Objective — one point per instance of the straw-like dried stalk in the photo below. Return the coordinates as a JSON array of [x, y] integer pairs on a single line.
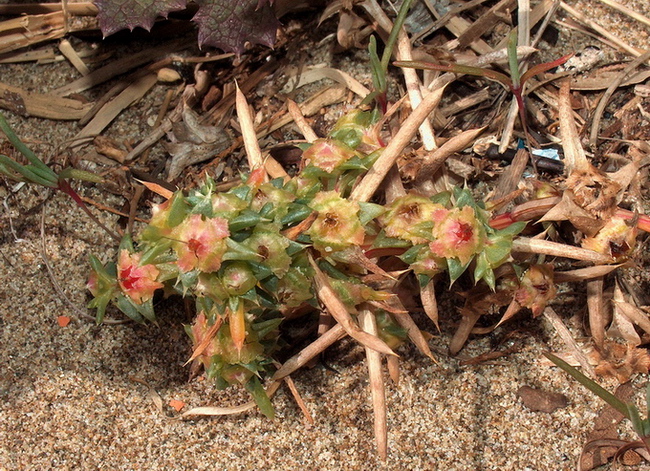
[[369, 325], [374, 177]]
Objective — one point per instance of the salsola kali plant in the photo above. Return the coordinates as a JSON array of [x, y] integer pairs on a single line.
[[249, 256]]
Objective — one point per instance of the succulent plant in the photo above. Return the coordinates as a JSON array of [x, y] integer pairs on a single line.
[[243, 254]]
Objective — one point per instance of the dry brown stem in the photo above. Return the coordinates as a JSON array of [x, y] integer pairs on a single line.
[[310, 351], [597, 316], [374, 177], [337, 309], [369, 325]]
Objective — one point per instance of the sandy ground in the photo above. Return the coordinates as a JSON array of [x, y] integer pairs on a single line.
[[80, 397]]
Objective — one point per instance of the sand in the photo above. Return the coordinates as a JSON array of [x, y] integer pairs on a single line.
[[82, 397]]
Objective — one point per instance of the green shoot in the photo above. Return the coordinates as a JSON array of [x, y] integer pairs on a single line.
[[380, 68], [515, 83], [629, 411], [38, 173]]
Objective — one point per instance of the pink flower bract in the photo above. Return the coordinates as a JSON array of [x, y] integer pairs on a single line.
[[328, 155], [457, 234], [137, 281], [337, 225], [201, 243]]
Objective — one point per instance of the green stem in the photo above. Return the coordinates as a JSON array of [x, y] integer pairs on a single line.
[[394, 33]]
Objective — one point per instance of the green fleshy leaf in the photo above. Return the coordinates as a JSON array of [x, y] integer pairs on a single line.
[[255, 388], [498, 251], [157, 253], [266, 327], [146, 309], [294, 248], [126, 244], [101, 303], [178, 210], [125, 305], [482, 266], [246, 219], [455, 268], [382, 241], [369, 211], [490, 279], [411, 254], [260, 270], [242, 192], [350, 137], [238, 251], [424, 280], [512, 230], [378, 71], [297, 213]]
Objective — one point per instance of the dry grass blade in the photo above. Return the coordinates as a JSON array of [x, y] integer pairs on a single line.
[[513, 308], [28, 30], [570, 343], [369, 324], [597, 316], [429, 303], [582, 274], [310, 351], [435, 159], [109, 112], [574, 155], [463, 331], [273, 168], [546, 247], [337, 309], [314, 74], [404, 53], [630, 311], [404, 319], [71, 54], [325, 97], [156, 188], [374, 177], [485, 23], [120, 67], [21, 8], [248, 132], [217, 411], [301, 122], [598, 112], [152, 394], [599, 29], [509, 179], [41, 105], [298, 398], [393, 369], [209, 336], [627, 11]]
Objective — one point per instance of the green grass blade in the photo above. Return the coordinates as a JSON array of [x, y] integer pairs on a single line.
[[541, 68], [599, 391], [19, 145], [513, 62], [392, 39], [458, 69], [27, 173]]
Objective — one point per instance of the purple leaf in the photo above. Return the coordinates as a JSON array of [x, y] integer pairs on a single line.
[[115, 15], [228, 24]]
